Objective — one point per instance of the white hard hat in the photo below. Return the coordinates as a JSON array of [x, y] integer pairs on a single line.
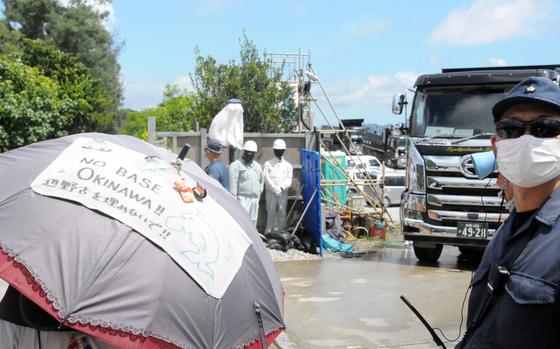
[[279, 144], [250, 146]]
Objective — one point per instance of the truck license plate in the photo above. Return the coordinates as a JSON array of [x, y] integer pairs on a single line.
[[474, 230]]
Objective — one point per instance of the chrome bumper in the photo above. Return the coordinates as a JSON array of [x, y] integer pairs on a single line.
[[413, 204], [426, 229]]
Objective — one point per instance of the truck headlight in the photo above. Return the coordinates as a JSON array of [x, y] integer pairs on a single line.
[[415, 171], [413, 206]]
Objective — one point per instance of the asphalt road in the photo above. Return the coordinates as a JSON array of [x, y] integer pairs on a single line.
[[354, 303]]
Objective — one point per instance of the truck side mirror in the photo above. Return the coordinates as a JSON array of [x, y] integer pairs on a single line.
[[399, 100]]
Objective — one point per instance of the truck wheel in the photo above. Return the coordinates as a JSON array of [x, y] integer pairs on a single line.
[[426, 254]]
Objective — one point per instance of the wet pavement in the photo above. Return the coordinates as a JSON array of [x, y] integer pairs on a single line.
[[354, 303]]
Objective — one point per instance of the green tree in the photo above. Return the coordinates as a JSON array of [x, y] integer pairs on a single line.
[[77, 29], [30, 16], [174, 113], [45, 93], [136, 124], [9, 39], [84, 96], [267, 100], [29, 107]]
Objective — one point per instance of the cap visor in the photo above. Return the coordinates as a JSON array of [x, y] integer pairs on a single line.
[[503, 105]]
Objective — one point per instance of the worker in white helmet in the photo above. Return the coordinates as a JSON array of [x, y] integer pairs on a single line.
[[246, 180], [278, 175]]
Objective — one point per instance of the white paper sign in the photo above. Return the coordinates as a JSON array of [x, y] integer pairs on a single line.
[[201, 236]]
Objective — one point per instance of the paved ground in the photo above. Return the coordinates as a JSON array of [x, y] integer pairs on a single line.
[[354, 303]]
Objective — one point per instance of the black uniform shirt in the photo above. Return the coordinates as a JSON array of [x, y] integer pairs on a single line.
[[527, 313]]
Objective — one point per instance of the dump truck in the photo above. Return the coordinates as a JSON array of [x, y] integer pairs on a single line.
[[444, 202], [389, 146]]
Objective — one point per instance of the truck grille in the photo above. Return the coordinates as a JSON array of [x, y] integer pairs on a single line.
[[454, 193]]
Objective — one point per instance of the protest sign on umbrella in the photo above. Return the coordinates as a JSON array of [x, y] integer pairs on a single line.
[[109, 238]]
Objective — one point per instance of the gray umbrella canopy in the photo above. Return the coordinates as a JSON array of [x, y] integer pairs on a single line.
[[96, 274]]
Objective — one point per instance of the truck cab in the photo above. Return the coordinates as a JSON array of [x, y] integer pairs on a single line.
[[444, 202]]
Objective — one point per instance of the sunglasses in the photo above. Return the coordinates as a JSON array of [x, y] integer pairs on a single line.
[[540, 128]]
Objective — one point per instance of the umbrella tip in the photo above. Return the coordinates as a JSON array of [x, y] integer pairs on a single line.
[[184, 151], [179, 161]]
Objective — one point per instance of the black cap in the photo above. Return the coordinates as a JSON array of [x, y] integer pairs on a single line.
[[532, 89]]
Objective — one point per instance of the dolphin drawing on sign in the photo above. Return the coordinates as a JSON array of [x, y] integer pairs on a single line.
[[98, 144], [155, 164], [201, 246]]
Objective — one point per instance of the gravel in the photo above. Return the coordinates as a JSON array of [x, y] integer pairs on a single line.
[[291, 255]]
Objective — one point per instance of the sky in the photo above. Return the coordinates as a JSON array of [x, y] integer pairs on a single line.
[[362, 51]]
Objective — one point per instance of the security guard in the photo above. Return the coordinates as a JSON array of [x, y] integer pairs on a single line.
[[216, 168], [246, 180], [278, 179], [514, 297]]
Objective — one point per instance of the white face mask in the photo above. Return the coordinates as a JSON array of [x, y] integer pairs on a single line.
[[529, 161]]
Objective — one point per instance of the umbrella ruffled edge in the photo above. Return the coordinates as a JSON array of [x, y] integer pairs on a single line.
[[256, 343], [15, 272]]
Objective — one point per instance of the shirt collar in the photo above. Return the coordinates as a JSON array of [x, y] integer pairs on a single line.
[[550, 210]]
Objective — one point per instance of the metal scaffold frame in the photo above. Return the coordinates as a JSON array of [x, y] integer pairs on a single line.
[[293, 66]]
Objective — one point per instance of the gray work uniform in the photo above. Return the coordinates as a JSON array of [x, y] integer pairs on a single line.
[[246, 184], [527, 313]]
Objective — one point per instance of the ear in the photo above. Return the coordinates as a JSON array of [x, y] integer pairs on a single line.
[[493, 141]]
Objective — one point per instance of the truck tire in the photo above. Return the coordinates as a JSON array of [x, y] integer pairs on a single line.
[[426, 254]]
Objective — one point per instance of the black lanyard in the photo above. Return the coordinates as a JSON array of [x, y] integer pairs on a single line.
[[498, 274]]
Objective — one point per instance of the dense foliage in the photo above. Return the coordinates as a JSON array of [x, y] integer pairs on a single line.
[[59, 74], [45, 93], [73, 27], [267, 100], [174, 113]]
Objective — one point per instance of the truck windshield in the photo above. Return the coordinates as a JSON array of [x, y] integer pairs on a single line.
[[455, 111]]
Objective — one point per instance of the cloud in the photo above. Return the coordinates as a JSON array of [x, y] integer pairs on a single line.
[[374, 91], [368, 27], [489, 21], [140, 95], [435, 60], [299, 8], [184, 83], [498, 62]]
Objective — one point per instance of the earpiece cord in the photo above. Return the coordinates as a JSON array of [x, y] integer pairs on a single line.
[[462, 316], [472, 272]]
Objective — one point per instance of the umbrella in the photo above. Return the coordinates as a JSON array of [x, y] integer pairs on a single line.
[[139, 275]]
